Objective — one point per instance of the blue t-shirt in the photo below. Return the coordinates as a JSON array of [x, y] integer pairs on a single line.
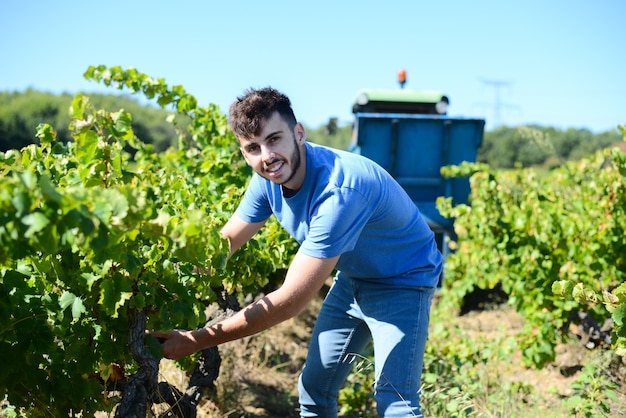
[[351, 207]]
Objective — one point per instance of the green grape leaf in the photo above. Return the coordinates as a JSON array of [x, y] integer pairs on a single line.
[[35, 221], [48, 189], [78, 308], [66, 299]]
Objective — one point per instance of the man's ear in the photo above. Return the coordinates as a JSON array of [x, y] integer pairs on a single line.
[[300, 133]]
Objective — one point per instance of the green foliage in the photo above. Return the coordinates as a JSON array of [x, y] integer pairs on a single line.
[[336, 137], [554, 243], [89, 233], [594, 391], [448, 367], [21, 113], [464, 369], [528, 146], [356, 397]]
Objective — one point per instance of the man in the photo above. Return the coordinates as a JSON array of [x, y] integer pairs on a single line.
[[348, 215]]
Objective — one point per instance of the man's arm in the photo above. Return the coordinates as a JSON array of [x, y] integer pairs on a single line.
[[239, 232], [304, 279]]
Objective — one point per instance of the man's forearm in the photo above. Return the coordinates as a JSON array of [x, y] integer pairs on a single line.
[[251, 320]]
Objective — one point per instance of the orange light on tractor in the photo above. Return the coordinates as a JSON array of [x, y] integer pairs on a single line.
[[402, 78]]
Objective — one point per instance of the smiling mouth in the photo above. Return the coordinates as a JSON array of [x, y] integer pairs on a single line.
[[274, 168]]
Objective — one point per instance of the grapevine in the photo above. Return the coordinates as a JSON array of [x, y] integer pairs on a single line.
[[102, 232], [553, 241]]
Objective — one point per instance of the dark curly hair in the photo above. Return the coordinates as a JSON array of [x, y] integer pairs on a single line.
[[250, 111]]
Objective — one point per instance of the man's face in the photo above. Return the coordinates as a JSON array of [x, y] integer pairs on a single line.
[[275, 154]]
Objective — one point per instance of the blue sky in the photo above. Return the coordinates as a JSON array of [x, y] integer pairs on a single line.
[[551, 62]]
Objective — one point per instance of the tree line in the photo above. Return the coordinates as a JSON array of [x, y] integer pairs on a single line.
[[22, 112], [511, 147], [504, 147]]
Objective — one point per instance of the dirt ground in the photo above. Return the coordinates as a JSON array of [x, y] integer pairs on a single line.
[[259, 374]]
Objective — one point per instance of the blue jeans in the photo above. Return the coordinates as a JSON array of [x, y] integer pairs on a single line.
[[353, 313]]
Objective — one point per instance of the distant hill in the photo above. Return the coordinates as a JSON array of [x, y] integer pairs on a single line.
[[22, 112]]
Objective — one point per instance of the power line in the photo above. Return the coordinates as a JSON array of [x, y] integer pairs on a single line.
[[497, 101]]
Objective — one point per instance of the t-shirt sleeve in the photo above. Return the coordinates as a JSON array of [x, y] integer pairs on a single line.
[[254, 207], [336, 223]]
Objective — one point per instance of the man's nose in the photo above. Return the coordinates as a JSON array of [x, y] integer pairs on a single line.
[[267, 154]]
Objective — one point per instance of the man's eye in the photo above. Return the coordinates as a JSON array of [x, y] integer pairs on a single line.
[[253, 148]]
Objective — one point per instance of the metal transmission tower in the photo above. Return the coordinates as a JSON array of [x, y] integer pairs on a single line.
[[497, 103]]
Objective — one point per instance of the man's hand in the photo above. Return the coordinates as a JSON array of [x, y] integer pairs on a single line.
[[177, 343]]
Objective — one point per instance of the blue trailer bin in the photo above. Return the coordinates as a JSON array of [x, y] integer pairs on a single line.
[[409, 134], [413, 148]]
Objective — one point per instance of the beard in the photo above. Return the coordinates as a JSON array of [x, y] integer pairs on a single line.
[[295, 163]]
